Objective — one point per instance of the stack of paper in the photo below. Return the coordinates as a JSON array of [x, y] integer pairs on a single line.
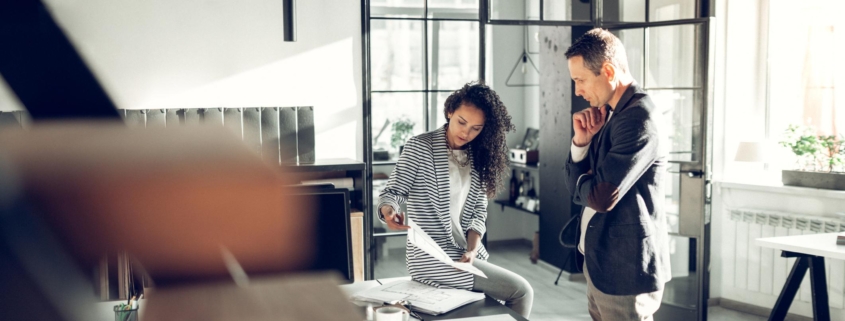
[[840, 239], [421, 297]]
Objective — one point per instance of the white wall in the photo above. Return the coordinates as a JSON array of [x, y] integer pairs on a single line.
[[215, 53], [504, 47]]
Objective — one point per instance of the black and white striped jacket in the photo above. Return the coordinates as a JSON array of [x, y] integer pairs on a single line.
[[421, 178]]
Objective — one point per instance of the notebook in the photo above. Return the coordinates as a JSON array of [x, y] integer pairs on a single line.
[[423, 298]]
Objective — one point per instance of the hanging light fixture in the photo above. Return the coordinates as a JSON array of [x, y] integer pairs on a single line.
[[289, 20]]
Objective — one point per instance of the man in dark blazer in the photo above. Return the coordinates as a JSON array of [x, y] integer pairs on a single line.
[[615, 171]]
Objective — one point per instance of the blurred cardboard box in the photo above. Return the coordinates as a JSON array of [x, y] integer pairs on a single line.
[[173, 198]]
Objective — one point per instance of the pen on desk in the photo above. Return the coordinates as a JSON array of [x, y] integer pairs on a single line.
[[414, 314], [405, 304]]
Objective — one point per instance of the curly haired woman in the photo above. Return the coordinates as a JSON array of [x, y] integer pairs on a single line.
[[446, 176]]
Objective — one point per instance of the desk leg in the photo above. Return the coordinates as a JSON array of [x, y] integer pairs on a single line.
[[818, 281], [821, 310], [799, 269]]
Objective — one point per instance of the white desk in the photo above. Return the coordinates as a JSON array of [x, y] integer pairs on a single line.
[[809, 251], [486, 307], [352, 288]]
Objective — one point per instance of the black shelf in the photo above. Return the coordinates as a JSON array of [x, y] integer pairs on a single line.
[[327, 165], [505, 203], [384, 163], [531, 167]]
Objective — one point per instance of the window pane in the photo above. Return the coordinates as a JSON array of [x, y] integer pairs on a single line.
[[624, 10], [672, 187], [391, 111], [805, 86], [566, 10], [681, 121], [633, 40], [453, 9], [453, 54], [396, 8], [515, 9], [396, 54], [436, 103], [671, 56], [663, 10]]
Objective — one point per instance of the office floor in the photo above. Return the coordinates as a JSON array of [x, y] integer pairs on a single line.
[[566, 301]]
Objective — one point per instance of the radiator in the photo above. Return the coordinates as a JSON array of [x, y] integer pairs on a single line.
[[761, 270]]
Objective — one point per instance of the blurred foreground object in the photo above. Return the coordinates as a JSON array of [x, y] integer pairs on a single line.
[[44, 70], [172, 198], [294, 297]]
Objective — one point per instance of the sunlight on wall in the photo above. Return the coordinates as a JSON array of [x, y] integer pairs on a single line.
[[305, 79], [321, 77]]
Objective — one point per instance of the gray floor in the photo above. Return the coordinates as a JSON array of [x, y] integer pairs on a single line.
[[565, 302]]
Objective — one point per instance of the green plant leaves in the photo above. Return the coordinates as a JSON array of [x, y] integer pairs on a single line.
[[403, 129], [815, 152]]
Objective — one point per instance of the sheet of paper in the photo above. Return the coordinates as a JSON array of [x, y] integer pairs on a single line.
[[424, 242], [498, 317]]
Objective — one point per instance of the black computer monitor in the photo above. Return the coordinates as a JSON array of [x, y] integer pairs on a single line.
[[330, 206]]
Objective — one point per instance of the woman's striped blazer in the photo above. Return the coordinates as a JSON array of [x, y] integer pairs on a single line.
[[421, 178]]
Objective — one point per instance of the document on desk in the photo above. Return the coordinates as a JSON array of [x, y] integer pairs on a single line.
[[424, 242], [421, 297]]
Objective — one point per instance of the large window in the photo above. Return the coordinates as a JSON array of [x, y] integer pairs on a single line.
[[420, 52], [806, 43]]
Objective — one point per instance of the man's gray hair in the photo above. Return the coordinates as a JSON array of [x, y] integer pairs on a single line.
[[598, 46]]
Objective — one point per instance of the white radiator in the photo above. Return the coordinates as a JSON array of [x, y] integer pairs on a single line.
[[754, 269]]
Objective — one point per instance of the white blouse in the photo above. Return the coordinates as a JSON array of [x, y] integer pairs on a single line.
[[459, 183]]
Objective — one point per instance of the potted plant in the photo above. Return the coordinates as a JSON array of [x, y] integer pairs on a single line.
[[403, 129], [819, 159]]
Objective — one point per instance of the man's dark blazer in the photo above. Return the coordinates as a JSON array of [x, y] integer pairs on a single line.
[[627, 240]]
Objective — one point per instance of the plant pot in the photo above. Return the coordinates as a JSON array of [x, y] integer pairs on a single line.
[[835, 181]]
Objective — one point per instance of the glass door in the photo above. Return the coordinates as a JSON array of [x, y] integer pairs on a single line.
[[672, 61]]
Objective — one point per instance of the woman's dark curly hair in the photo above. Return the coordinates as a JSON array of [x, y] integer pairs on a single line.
[[489, 149]]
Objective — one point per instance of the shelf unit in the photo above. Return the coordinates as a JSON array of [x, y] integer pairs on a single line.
[[523, 167], [527, 167], [506, 203], [340, 168]]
